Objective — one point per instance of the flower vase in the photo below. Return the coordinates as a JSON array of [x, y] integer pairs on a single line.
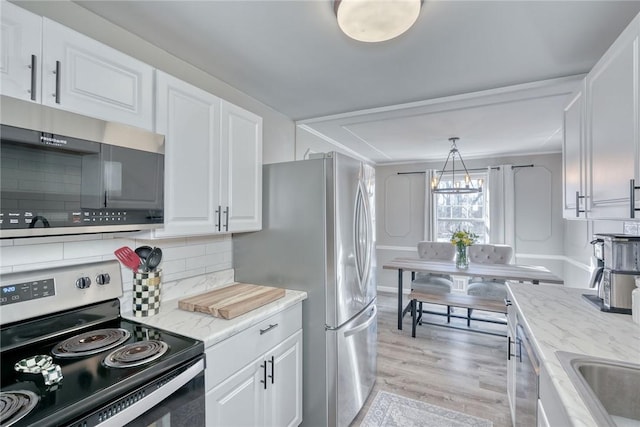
[[462, 256]]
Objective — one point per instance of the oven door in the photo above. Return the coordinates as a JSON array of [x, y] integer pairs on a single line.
[[174, 399]]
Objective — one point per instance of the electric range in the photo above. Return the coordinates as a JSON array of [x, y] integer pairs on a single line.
[[69, 358]]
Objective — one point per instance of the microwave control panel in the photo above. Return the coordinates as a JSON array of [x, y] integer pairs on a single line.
[[14, 219]]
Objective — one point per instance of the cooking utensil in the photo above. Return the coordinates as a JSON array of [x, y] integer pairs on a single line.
[[143, 252], [128, 257], [153, 260]]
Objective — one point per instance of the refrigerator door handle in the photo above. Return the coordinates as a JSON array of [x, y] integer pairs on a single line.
[[363, 326], [362, 236]]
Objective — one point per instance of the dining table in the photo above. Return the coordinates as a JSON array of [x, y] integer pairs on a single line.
[[517, 272]]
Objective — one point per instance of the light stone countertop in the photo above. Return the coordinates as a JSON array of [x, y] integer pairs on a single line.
[[209, 329], [558, 318]]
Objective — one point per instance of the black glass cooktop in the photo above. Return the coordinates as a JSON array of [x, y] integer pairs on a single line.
[[87, 382]]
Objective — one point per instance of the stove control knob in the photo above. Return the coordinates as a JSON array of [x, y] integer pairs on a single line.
[[83, 283], [103, 279]]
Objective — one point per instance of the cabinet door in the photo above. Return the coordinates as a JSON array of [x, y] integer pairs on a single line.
[[242, 147], [189, 118], [238, 401], [87, 77], [573, 157], [612, 105], [284, 398], [511, 371], [21, 47], [542, 420]]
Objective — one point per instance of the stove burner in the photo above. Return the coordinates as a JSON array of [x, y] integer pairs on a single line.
[[91, 342], [16, 404], [135, 354]]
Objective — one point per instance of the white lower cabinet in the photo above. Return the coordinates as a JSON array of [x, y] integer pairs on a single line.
[[543, 421], [511, 359], [255, 377], [551, 411]]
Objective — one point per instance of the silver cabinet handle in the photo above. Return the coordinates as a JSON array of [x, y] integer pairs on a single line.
[[33, 76], [226, 219], [219, 213], [507, 302], [632, 198], [267, 329], [578, 210], [57, 73]]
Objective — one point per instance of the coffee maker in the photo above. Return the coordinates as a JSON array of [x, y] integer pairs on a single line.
[[618, 259], [595, 281]]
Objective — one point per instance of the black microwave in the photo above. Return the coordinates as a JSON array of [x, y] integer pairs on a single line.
[[63, 173]]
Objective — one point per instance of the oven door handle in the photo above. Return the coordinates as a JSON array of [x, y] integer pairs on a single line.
[[153, 399]]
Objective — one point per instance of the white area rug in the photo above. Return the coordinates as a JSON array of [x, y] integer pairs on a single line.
[[391, 410]]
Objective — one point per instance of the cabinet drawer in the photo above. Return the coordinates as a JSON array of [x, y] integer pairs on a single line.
[[228, 356]]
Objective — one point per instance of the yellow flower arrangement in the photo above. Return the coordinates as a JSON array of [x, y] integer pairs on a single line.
[[463, 238]]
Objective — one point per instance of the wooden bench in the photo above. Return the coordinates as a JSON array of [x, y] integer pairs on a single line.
[[469, 302]]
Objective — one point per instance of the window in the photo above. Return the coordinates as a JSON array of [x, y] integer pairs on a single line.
[[461, 211]]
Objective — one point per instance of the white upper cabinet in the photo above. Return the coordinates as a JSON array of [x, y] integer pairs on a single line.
[[84, 76], [602, 135], [45, 62], [574, 155], [20, 53], [242, 169], [613, 126], [213, 161], [190, 120]]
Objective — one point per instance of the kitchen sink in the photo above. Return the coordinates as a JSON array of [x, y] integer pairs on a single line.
[[609, 388]]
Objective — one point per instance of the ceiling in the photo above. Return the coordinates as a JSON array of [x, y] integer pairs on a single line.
[[494, 73]]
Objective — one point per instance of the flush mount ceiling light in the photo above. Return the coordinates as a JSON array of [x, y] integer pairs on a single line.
[[437, 186], [376, 20]]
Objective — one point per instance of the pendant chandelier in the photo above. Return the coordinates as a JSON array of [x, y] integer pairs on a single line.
[[437, 186]]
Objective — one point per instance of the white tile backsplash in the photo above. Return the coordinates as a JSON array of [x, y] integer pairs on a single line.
[[182, 258], [631, 227], [93, 247], [32, 254]]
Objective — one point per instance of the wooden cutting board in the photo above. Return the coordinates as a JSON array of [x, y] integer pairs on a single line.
[[231, 301]]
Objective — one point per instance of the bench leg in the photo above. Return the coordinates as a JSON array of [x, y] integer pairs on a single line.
[[414, 318]]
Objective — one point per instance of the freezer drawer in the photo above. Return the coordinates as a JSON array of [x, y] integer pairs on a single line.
[[352, 365]]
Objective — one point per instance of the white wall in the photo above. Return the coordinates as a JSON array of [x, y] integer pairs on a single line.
[[539, 223]]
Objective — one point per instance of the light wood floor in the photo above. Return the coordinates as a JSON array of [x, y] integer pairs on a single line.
[[459, 370]]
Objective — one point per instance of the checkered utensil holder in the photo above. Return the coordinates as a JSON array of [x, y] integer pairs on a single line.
[[146, 293]]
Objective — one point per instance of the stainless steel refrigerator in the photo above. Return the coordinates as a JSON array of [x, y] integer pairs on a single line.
[[318, 236]]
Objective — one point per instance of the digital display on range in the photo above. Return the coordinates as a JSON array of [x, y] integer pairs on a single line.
[[11, 294]]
